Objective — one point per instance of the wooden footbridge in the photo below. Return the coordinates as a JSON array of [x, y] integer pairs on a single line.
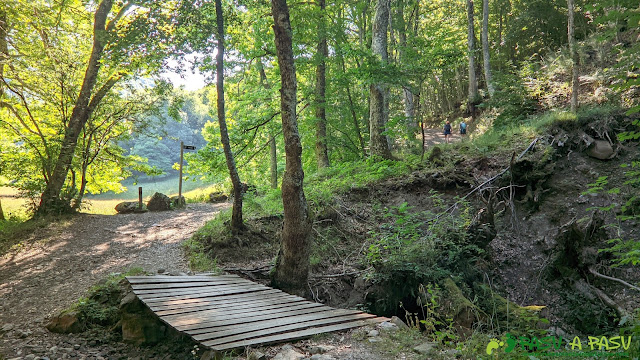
[[227, 312]]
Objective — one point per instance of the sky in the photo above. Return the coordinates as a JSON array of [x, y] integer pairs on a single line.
[[190, 79]]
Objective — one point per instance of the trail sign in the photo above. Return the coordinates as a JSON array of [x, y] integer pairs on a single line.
[[188, 147]]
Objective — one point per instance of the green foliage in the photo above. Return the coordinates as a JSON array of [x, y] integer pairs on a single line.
[[513, 99], [410, 248], [101, 305]]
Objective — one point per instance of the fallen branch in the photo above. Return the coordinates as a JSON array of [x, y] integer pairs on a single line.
[[337, 275], [592, 271]]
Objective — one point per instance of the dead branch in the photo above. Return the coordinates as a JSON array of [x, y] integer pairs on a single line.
[[592, 271]]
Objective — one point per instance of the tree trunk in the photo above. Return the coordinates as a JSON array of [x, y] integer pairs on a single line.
[[236, 214], [292, 265], [273, 168], [408, 97], [274, 161], [322, 156], [1, 212], [574, 57], [50, 200], [485, 46], [379, 92], [473, 82]]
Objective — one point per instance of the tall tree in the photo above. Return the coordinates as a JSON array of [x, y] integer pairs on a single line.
[[236, 214], [85, 104], [485, 46], [473, 81], [379, 91], [575, 83], [292, 265], [4, 55], [273, 149], [322, 156]]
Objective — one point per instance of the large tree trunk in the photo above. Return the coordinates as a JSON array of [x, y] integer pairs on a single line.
[[574, 57], [322, 156], [473, 82], [236, 214], [408, 97], [379, 92], [50, 200], [485, 46], [292, 265]]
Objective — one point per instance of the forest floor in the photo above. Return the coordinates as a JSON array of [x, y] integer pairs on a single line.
[[56, 266]]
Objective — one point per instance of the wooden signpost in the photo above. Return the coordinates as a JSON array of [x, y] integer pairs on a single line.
[[183, 147]]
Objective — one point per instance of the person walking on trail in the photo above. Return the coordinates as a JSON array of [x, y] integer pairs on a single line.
[[463, 128], [447, 131]]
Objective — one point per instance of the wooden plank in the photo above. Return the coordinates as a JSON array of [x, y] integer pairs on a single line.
[[156, 279], [194, 284], [182, 291], [239, 306], [247, 319], [282, 329], [295, 335], [227, 301], [197, 318], [172, 304], [220, 332], [273, 321], [232, 310], [203, 293]]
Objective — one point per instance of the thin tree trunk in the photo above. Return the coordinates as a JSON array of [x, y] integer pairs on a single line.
[[236, 214], [322, 156], [274, 161], [50, 200], [292, 264], [485, 46], [379, 92], [4, 55], [409, 106], [574, 57], [473, 82], [273, 168]]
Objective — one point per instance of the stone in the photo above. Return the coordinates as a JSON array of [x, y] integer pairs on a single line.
[[388, 326], [600, 149], [320, 349], [208, 355], [65, 323], [321, 357], [76, 347], [30, 357], [159, 202], [6, 328], [288, 354], [128, 207], [374, 339], [256, 355], [373, 333], [53, 350], [396, 320], [139, 325], [216, 197], [178, 203], [161, 271], [425, 348]]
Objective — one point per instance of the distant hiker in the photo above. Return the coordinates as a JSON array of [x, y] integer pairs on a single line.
[[447, 131], [463, 128]]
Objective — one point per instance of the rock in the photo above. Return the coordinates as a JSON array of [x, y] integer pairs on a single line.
[[53, 350], [208, 355], [321, 357], [288, 354], [128, 207], [139, 325], [373, 333], [178, 204], [159, 202], [65, 323], [76, 347], [396, 320], [256, 355], [388, 326], [30, 357], [24, 334], [6, 328], [425, 348], [321, 349], [216, 197], [161, 271], [600, 149], [374, 339]]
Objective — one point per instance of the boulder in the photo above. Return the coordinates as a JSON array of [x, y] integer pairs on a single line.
[[178, 203], [425, 348], [216, 197], [159, 202], [128, 207], [65, 323], [139, 325], [600, 149]]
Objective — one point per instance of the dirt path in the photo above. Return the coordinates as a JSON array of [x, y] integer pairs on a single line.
[[49, 275]]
